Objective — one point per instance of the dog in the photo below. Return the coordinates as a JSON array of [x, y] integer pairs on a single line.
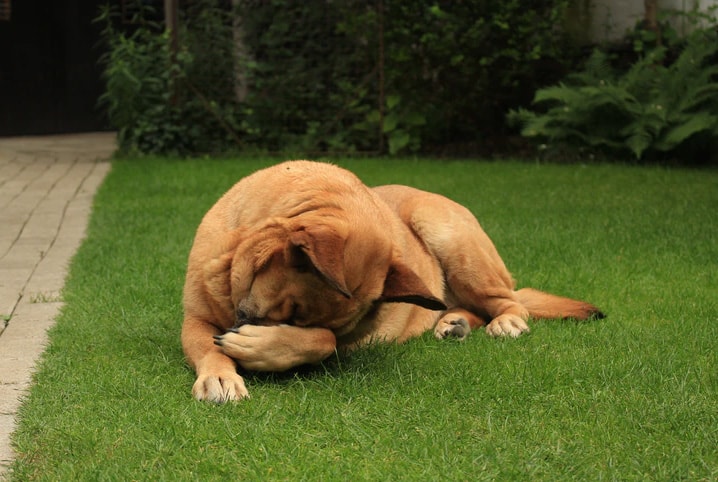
[[301, 259]]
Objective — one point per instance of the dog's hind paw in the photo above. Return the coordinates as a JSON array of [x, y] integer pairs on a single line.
[[507, 325], [454, 327]]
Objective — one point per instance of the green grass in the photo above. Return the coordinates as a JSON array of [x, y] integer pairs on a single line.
[[631, 397]]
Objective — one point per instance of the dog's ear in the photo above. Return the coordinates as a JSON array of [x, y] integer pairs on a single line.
[[216, 277], [252, 251], [402, 285], [217, 271], [322, 248]]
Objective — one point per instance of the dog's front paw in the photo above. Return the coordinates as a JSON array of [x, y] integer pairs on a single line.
[[220, 388], [276, 348], [507, 325], [452, 326], [261, 348]]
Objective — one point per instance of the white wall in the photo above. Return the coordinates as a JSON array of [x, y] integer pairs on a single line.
[[607, 20]]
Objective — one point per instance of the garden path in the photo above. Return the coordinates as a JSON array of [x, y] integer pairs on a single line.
[[47, 184]]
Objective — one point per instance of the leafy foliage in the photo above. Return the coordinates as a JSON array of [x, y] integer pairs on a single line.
[[151, 96], [655, 107], [458, 66], [341, 76], [305, 75]]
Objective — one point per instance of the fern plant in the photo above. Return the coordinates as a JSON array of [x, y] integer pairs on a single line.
[[652, 107]]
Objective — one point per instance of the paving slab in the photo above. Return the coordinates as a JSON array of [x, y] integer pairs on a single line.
[[47, 184]]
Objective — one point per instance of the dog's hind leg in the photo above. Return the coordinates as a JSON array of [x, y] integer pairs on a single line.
[[476, 278]]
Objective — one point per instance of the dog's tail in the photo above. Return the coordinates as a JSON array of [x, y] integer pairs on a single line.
[[548, 306]]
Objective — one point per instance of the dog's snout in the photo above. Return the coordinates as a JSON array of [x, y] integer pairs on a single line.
[[242, 318]]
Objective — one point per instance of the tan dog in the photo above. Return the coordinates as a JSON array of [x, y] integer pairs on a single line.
[[302, 258]]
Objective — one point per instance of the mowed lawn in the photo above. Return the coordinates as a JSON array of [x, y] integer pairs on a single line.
[[630, 397]]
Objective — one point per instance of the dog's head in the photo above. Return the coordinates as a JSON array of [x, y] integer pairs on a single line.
[[326, 274]]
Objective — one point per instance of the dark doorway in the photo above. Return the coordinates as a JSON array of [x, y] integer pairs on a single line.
[[49, 77]]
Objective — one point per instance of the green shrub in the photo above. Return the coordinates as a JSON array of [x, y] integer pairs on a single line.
[[656, 107], [457, 67], [449, 71], [151, 97], [137, 74], [304, 74], [340, 76]]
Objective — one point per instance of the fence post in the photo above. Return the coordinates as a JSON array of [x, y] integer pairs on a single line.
[[380, 17]]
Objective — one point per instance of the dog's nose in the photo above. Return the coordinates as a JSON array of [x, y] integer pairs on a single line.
[[242, 318]]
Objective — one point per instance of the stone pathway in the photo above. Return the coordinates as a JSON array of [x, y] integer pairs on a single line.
[[46, 189]]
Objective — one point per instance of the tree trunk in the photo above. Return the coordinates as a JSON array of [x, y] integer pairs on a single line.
[[651, 18], [240, 55]]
